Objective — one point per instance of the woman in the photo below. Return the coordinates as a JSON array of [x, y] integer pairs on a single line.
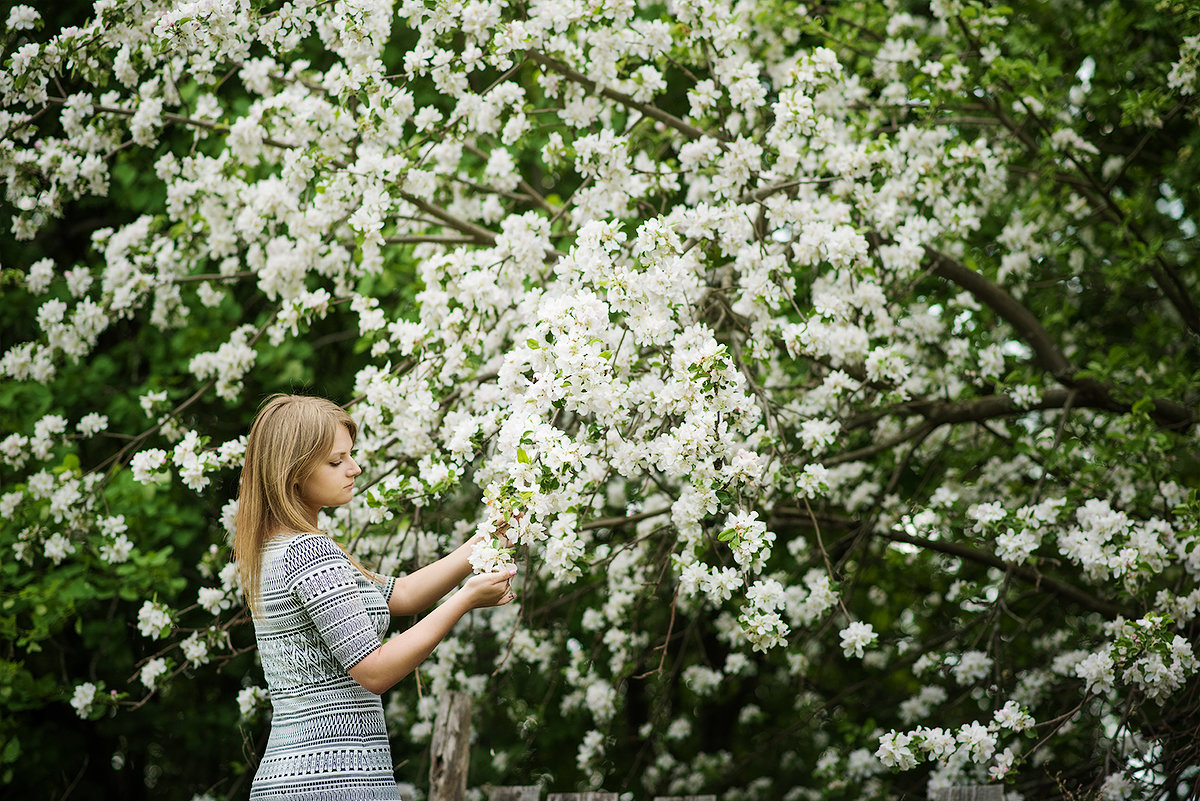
[[319, 616]]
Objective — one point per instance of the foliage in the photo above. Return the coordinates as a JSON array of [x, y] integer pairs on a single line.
[[840, 360]]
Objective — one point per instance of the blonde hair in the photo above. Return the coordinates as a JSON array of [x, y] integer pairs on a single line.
[[290, 437]]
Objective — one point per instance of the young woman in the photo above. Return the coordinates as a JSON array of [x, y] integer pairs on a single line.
[[320, 617]]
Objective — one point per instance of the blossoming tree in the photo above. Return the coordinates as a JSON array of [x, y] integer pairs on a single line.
[[837, 365]]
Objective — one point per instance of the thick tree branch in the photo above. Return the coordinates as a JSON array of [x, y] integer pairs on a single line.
[[1026, 574], [975, 410], [1040, 582], [1047, 355], [434, 239], [916, 432], [1046, 352]]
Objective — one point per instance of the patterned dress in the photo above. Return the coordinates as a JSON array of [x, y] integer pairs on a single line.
[[320, 617]]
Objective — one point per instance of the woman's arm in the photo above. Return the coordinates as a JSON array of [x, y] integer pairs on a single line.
[[422, 588], [381, 669]]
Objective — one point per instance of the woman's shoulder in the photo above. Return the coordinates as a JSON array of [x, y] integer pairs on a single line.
[[306, 546]]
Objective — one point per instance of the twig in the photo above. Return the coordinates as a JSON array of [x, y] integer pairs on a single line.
[[625, 100], [612, 522], [663, 658]]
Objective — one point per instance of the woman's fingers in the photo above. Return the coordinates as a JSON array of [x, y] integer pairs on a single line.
[[491, 589], [507, 596]]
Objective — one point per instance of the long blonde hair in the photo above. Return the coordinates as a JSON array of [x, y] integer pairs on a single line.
[[290, 437]]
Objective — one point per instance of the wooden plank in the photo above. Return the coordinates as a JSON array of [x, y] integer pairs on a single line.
[[528, 792], [450, 749], [975, 792]]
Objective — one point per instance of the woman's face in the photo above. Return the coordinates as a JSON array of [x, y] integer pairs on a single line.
[[332, 483]]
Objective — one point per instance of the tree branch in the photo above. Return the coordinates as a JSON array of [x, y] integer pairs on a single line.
[[916, 432], [435, 239], [477, 233], [1046, 352], [1047, 355], [620, 97], [1026, 574], [612, 522], [1100, 197], [1039, 581]]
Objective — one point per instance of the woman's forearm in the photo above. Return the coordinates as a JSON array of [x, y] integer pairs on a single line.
[[422, 588], [385, 666], [399, 656]]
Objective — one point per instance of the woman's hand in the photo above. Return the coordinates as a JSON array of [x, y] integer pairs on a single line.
[[489, 589]]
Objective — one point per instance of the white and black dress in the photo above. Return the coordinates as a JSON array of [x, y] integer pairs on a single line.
[[320, 616]]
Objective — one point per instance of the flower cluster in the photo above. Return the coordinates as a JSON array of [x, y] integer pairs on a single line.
[[953, 748]]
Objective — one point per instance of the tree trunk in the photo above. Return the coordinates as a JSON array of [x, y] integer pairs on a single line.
[[450, 750]]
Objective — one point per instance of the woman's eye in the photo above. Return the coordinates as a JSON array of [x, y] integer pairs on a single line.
[[335, 464]]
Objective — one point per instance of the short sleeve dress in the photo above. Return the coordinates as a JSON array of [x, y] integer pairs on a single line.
[[320, 616]]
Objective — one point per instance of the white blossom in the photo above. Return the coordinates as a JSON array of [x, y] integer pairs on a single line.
[[250, 701], [972, 666], [152, 671], [146, 463], [58, 547], [84, 699], [856, 637], [195, 649], [894, 751], [21, 18], [154, 620]]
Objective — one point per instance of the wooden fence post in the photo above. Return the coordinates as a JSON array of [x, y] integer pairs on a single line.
[[450, 749], [529, 792], [976, 792]]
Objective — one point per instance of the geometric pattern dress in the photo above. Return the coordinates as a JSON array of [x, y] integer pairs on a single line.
[[320, 617]]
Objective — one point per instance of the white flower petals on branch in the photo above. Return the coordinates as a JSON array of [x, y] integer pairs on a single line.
[[856, 637], [154, 620]]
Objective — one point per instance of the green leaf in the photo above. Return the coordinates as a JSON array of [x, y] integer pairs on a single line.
[[12, 750]]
